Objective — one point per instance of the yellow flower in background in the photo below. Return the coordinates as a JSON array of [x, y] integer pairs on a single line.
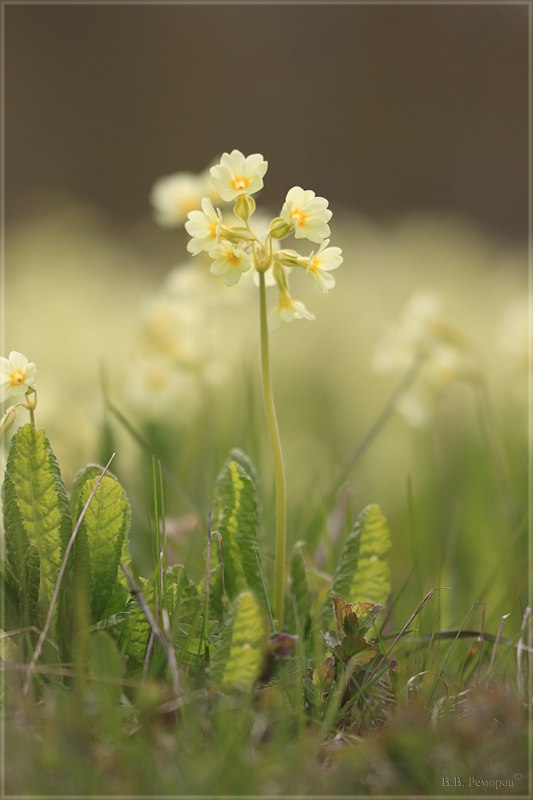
[[320, 265], [16, 375], [237, 175], [229, 262], [307, 214], [443, 353], [204, 226], [174, 196], [287, 310]]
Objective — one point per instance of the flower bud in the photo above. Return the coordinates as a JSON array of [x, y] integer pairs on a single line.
[[31, 398], [8, 420], [289, 258], [280, 277], [279, 229], [263, 259], [236, 235], [244, 207]]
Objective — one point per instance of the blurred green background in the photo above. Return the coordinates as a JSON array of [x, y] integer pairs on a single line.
[[412, 121]]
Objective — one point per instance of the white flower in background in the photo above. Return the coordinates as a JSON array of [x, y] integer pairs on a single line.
[[444, 356], [320, 265], [287, 310], [417, 333], [162, 390], [204, 226], [514, 334], [177, 330], [237, 175], [307, 213], [229, 262], [174, 196], [16, 375]]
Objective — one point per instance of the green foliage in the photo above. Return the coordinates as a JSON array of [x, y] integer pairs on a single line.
[[237, 663], [371, 582], [237, 519], [297, 599], [9, 592], [30, 601], [36, 511], [362, 574], [100, 539], [106, 670]]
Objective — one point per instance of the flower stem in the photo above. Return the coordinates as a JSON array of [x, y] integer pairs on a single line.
[[279, 469], [32, 417]]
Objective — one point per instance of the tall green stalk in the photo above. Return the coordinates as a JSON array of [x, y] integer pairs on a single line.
[[279, 470]]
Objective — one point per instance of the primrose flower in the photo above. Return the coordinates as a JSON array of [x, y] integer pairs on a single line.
[[287, 310], [237, 175], [307, 214], [16, 375], [229, 262], [204, 226], [174, 196], [321, 264], [444, 354]]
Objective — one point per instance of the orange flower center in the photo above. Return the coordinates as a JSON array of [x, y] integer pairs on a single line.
[[232, 259], [239, 183], [299, 217], [17, 378]]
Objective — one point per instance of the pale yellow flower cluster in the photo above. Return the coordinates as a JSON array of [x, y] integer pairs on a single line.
[[426, 343], [235, 250], [180, 349]]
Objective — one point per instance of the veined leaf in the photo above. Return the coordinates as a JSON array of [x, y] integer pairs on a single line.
[[371, 582], [104, 528], [86, 474], [9, 592], [299, 591], [131, 627], [238, 662], [34, 481], [30, 602], [362, 574], [121, 589], [237, 516]]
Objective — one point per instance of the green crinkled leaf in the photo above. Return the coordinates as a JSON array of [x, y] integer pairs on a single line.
[[30, 602], [15, 535], [362, 574], [355, 651], [131, 627], [371, 582], [86, 474], [104, 528], [189, 599], [120, 592], [238, 662], [9, 591], [299, 591], [34, 479], [237, 516]]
